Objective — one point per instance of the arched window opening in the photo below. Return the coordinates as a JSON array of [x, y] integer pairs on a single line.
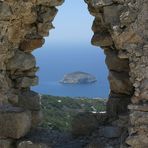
[[68, 50]]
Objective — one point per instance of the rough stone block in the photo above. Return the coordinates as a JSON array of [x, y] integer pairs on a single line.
[[5, 11], [139, 118], [143, 108], [96, 144], [47, 15], [118, 105], [101, 3], [51, 2], [21, 61], [139, 130], [43, 28], [122, 121], [30, 45], [110, 132], [30, 144], [102, 39], [6, 143], [111, 15], [14, 122], [37, 117], [25, 82], [114, 62], [138, 141], [83, 124], [120, 83], [30, 100]]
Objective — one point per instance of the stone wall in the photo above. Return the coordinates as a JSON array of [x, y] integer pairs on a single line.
[[120, 28], [23, 26]]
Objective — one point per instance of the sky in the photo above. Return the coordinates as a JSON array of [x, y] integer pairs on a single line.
[[72, 24], [68, 48]]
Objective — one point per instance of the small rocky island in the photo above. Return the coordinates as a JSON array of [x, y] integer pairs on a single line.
[[78, 78]]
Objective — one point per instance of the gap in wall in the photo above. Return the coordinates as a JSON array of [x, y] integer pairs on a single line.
[[68, 49]]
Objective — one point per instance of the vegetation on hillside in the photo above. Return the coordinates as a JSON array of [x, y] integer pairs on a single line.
[[59, 111]]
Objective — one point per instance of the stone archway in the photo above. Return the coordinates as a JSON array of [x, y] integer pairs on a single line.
[[120, 28]]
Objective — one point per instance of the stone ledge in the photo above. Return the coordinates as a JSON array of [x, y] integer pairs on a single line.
[[30, 144], [14, 122], [139, 118], [30, 100], [10, 109], [6, 143], [143, 108], [138, 141]]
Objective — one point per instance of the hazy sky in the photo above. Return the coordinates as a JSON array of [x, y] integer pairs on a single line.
[[68, 48], [72, 23]]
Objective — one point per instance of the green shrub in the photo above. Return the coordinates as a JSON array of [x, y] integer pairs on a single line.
[[59, 111]]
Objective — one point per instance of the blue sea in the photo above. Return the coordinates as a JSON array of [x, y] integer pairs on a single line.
[[56, 60]]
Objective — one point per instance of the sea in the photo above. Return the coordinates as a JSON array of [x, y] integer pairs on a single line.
[[56, 60]]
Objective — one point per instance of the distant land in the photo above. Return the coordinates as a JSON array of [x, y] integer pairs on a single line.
[[57, 60], [78, 77], [58, 112]]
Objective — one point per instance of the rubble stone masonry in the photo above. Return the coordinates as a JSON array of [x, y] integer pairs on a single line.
[[120, 28]]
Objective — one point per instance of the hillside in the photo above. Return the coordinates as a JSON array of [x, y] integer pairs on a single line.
[[59, 111]]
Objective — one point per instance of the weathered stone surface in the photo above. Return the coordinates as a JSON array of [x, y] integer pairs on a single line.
[[15, 32], [23, 26], [37, 117], [21, 61], [102, 3], [101, 118], [120, 83], [120, 25], [118, 105], [30, 45], [30, 144], [122, 121], [110, 132], [95, 145], [5, 11], [114, 63], [43, 29], [139, 118], [102, 39], [15, 122], [13, 98], [30, 100], [6, 143], [143, 108], [50, 2], [5, 82], [25, 82], [47, 14], [83, 124], [139, 141], [141, 130], [111, 15], [126, 59]]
